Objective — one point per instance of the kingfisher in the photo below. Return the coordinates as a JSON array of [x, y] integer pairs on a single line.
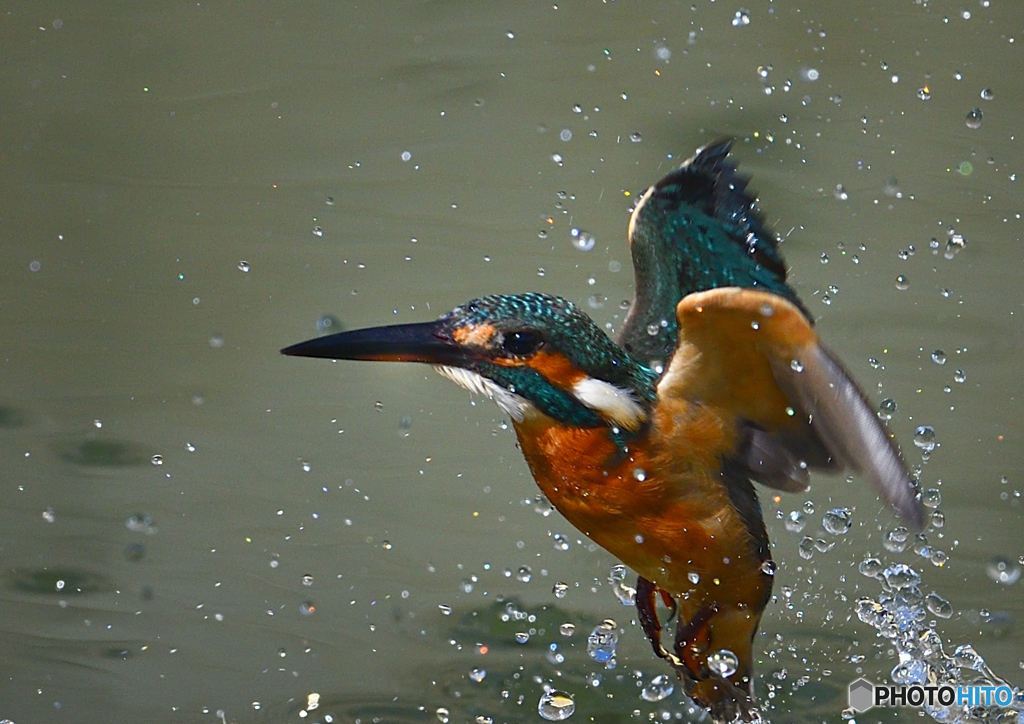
[[650, 443]]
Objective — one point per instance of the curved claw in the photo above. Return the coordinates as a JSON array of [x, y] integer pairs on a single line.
[[648, 615], [728, 699]]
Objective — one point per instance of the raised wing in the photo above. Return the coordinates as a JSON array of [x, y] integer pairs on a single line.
[[755, 359], [696, 229]]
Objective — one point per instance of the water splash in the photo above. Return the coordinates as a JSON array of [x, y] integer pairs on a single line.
[[900, 613]]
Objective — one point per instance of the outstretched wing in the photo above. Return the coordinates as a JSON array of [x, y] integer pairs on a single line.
[[755, 359], [696, 229]]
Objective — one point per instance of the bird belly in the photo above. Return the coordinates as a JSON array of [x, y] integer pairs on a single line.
[[662, 512]]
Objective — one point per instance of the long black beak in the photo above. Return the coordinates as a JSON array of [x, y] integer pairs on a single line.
[[422, 342]]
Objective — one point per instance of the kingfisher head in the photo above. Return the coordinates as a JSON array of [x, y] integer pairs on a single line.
[[531, 353]]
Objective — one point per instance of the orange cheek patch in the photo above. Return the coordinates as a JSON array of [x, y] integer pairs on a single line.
[[556, 368], [474, 336]]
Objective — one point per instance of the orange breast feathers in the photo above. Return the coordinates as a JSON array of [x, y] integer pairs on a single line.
[[661, 509]]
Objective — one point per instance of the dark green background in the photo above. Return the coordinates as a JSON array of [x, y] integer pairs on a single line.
[[147, 148]]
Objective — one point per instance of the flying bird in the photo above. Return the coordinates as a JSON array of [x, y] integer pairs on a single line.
[[650, 443]]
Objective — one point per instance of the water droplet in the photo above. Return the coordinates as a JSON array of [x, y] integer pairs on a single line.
[[741, 18], [49, 515], [660, 687], [1003, 570], [554, 656], [561, 543], [960, 376], [693, 577], [442, 715], [541, 505], [938, 605], [582, 240], [838, 521], [243, 266], [841, 195], [625, 593], [966, 657], [602, 641], [886, 409], [870, 567], [806, 548], [555, 705], [307, 580], [560, 589], [567, 629], [796, 365], [378, 405], [924, 93], [939, 357], [328, 323], [306, 608], [565, 135], [824, 546], [987, 94], [795, 521], [157, 460], [974, 119], [902, 283], [924, 438], [900, 575], [724, 662], [931, 498], [317, 231], [954, 244], [477, 674], [768, 568], [635, 137], [640, 474], [895, 541], [522, 637]]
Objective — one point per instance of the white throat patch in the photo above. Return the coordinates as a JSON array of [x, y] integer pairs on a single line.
[[514, 406], [615, 404]]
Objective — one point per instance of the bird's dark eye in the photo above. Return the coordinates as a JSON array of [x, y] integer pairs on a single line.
[[522, 343]]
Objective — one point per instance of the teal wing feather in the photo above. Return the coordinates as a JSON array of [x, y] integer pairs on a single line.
[[696, 229]]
